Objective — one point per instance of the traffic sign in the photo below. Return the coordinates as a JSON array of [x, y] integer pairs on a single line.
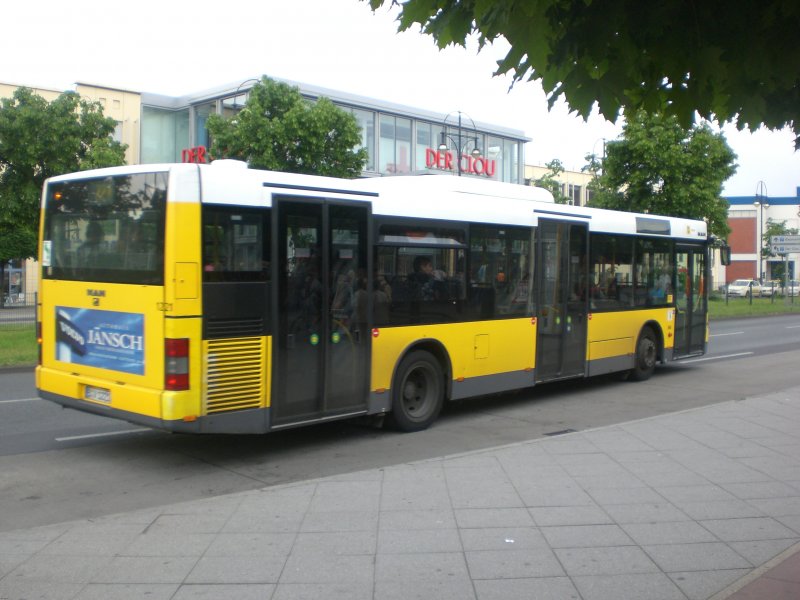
[[784, 244], [784, 240], [785, 248]]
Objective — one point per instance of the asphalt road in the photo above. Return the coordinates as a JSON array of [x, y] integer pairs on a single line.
[[57, 464]]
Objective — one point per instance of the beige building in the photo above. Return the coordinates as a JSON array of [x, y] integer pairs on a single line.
[[574, 184]]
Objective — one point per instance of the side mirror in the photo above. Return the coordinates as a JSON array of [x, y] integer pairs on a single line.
[[725, 255]]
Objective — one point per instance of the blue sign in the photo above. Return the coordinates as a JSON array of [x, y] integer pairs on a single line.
[[100, 338]]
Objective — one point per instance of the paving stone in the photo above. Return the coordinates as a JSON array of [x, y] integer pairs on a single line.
[[417, 519], [605, 561], [512, 564], [586, 536], [493, 517], [240, 591], [313, 567], [317, 591], [453, 589], [423, 566], [750, 529], [251, 544], [696, 557], [701, 585], [237, 569], [540, 588], [40, 590], [503, 538], [660, 512], [138, 569], [130, 591], [675, 532], [643, 586], [760, 551], [545, 516], [417, 540]]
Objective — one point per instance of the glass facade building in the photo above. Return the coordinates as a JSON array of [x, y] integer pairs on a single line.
[[398, 139]]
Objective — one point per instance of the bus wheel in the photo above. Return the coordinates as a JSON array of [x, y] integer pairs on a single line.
[[646, 354], [417, 393]]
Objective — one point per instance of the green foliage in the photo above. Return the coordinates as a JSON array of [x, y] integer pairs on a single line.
[[737, 60], [774, 228], [40, 139], [658, 166], [777, 269], [549, 181], [279, 130]]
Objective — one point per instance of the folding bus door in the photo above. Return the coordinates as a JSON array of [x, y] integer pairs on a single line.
[[690, 320], [562, 275], [322, 346]]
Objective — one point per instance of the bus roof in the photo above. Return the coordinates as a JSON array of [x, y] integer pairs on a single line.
[[444, 197]]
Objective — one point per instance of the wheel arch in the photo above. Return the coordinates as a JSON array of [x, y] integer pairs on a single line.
[[655, 327], [436, 349]]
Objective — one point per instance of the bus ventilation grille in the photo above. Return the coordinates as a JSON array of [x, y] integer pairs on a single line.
[[234, 374], [227, 328]]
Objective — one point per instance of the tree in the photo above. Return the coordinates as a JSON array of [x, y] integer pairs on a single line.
[[659, 167], [280, 130], [737, 60], [549, 181], [41, 139]]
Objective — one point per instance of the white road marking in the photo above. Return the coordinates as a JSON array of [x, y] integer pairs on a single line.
[[98, 435], [694, 360], [19, 400], [722, 334]]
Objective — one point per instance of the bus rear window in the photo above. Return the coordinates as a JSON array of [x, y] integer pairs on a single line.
[[107, 229]]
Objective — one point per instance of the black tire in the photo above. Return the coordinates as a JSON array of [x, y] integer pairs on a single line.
[[417, 393], [646, 355]]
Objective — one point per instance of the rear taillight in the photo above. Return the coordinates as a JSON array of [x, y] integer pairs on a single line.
[[176, 364]]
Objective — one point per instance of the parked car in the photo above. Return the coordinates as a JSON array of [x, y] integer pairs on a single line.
[[743, 287], [792, 288], [771, 288]]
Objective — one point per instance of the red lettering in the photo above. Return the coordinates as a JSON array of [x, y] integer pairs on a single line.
[[194, 155], [479, 166], [430, 157], [448, 160], [491, 167]]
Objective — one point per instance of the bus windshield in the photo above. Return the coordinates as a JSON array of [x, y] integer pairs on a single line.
[[108, 229]]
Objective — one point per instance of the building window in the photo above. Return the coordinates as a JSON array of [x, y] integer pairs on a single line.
[[117, 135], [395, 144], [201, 114], [366, 121], [574, 194], [164, 134], [428, 138]]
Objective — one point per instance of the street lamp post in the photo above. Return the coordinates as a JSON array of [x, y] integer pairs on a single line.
[[241, 85], [761, 203], [460, 153]]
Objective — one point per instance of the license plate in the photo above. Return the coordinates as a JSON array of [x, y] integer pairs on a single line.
[[97, 394]]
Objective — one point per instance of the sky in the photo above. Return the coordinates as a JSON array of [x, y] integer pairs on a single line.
[[176, 48]]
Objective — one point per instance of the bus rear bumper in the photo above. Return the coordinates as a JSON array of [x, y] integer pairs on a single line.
[[245, 421]]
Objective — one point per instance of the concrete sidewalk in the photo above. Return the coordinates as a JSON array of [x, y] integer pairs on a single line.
[[688, 505]]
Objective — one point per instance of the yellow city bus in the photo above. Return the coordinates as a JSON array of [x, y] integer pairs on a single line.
[[221, 299]]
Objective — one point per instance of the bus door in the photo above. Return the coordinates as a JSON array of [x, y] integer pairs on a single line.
[[690, 301], [322, 345], [562, 278]]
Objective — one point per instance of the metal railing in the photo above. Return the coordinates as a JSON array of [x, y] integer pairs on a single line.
[[17, 310]]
